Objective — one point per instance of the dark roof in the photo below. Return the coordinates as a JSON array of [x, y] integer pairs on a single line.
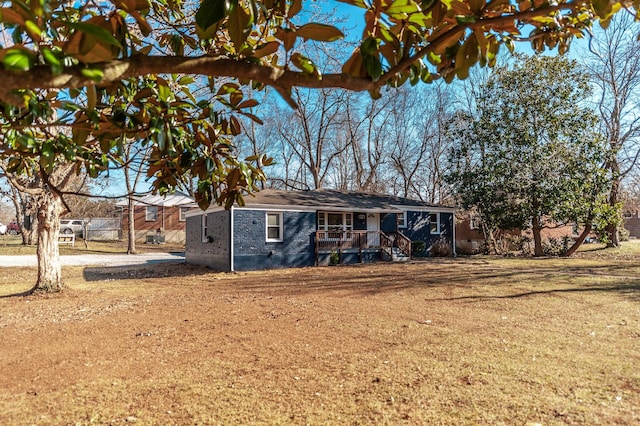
[[169, 200], [326, 198]]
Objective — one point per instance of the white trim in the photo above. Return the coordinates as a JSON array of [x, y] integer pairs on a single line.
[[204, 229], [404, 216], [182, 213], [439, 228], [146, 214], [425, 209], [231, 241], [280, 227], [326, 214]]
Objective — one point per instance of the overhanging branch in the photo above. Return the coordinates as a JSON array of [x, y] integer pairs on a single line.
[[41, 77]]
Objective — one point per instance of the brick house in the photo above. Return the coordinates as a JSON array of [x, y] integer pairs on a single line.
[[470, 239], [284, 229], [631, 218], [158, 218]]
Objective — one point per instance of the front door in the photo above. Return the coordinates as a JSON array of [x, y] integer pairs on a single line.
[[373, 224]]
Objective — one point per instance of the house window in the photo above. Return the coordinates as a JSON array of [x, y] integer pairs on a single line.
[[274, 227], [335, 221], [183, 213], [151, 214], [401, 219], [434, 222], [475, 222], [205, 228]]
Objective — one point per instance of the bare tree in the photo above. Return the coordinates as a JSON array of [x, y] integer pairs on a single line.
[[367, 131], [615, 69], [420, 143], [310, 133]]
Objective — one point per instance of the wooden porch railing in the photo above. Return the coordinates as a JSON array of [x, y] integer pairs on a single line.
[[327, 241]]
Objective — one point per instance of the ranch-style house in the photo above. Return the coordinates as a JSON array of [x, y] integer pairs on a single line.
[[284, 229]]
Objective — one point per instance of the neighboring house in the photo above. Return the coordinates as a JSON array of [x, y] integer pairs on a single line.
[[282, 229], [470, 239], [632, 222], [158, 218]]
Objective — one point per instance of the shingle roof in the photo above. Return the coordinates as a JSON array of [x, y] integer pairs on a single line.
[[327, 199], [175, 199]]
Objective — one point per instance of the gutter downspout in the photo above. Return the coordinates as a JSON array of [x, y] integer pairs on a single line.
[[231, 226]]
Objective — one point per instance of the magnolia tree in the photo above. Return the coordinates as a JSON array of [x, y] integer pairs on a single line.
[[171, 74], [529, 158]]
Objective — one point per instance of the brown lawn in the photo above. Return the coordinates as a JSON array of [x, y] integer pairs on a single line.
[[455, 341]]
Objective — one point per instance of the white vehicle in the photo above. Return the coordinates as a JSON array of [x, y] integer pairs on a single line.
[[72, 226], [3, 229]]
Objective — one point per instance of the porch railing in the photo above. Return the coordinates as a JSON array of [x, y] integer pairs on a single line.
[[327, 241]]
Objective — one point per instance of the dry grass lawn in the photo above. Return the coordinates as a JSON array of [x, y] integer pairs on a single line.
[[445, 341]]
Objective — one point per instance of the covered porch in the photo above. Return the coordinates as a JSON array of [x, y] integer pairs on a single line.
[[389, 245]]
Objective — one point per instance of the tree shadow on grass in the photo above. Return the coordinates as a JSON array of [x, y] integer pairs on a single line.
[[151, 269], [441, 280], [631, 290]]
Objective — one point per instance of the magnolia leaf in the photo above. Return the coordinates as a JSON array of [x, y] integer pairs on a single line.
[[359, 3], [239, 26], [92, 98], [354, 65], [319, 32], [306, 65], [400, 7], [211, 12], [18, 60], [94, 31], [249, 103], [34, 31], [295, 8], [144, 26], [266, 49], [94, 74], [51, 59]]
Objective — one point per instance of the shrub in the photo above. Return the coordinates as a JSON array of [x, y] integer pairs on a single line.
[[624, 234], [440, 248], [522, 244], [418, 247]]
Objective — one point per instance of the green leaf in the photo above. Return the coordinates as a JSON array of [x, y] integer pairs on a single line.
[[371, 58], [359, 3], [33, 30], [94, 31], [403, 6], [319, 32], [93, 74], [211, 12], [18, 60], [51, 59], [239, 26], [306, 65]]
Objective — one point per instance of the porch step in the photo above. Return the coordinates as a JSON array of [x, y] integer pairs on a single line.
[[398, 256]]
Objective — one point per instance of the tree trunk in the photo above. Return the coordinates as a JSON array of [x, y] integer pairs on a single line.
[[612, 228], [537, 238], [580, 240], [49, 207], [131, 227], [489, 239]]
